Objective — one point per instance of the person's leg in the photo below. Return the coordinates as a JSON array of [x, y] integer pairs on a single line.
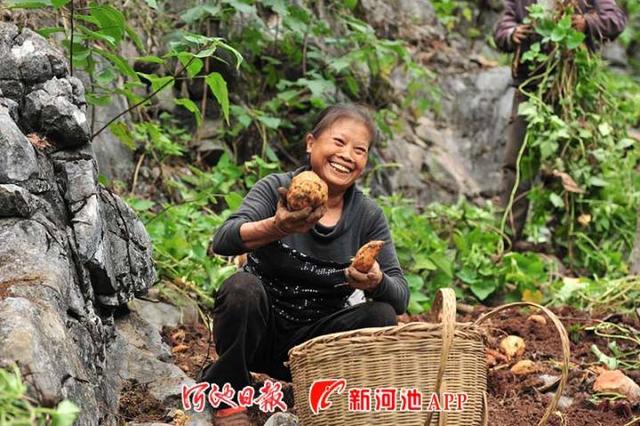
[[516, 132], [240, 322], [363, 315]]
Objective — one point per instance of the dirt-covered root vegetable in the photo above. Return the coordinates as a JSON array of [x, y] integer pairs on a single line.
[[366, 256], [307, 189], [524, 367], [513, 346]]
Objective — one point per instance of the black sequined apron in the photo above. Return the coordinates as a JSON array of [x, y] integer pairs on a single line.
[[301, 288]]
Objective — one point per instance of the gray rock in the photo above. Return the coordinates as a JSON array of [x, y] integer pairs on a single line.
[[16, 201], [282, 419], [18, 159], [50, 110], [37, 60]]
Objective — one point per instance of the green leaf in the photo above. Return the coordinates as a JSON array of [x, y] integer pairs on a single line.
[[575, 39], [29, 4], [111, 21], [610, 362], [415, 282], [218, 86], [65, 414], [556, 200], [596, 181], [192, 107], [153, 4], [158, 83], [119, 62], [350, 4], [150, 59], [122, 132], [241, 6], [443, 263], [423, 262], [59, 3], [483, 289], [233, 200], [199, 12], [270, 122], [605, 129], [192, 63]]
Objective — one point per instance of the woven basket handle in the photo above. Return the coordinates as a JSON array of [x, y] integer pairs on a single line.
[[565, 349], [445, 304]]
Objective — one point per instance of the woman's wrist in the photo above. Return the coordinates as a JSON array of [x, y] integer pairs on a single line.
[[277, 230]]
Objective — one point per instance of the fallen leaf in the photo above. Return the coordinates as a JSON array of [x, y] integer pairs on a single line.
[[568, 183]]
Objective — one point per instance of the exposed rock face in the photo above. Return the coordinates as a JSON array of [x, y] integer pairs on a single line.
[[70, 250]]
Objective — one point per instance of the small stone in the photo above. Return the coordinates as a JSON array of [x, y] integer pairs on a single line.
[[538, 319], [513, 346], [524, 367], [616, 381], [282, 419]]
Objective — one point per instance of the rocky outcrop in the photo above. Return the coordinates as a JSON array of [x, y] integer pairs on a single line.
[[71, 251]]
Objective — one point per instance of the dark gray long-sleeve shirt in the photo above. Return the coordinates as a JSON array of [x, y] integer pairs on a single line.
[[362, 220]]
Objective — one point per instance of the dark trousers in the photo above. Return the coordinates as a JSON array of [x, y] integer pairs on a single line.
[[249, 336], [516, 131]]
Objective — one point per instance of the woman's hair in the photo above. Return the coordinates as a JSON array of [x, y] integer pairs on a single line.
[[335, 112]]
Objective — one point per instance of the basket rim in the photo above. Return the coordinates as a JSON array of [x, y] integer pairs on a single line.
[[411, 330]]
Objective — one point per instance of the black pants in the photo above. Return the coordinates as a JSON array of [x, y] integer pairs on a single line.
[[250, 337]]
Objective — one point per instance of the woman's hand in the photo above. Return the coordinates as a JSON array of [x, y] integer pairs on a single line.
[[364, 281], [295, 222], [521, 33]]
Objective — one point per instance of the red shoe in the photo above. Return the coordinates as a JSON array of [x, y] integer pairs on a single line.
[[234, 416]]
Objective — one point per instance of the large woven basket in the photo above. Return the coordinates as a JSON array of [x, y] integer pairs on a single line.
[[446, 357]]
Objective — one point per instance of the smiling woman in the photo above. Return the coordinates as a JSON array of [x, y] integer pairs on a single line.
[[298, 279]]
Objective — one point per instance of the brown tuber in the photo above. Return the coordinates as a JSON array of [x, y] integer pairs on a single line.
[[512, 346], [307, 189], [366, 256]]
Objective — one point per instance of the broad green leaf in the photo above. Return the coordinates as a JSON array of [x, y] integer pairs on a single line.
[[596, 181], [192, 107], [233, 200], [199, 12], [422, 261], [111, 21], [153, 4], [59, 3], [150, 59], [119, 62], [218, 86], [122, 132], [192, 63], [29, 4], [442, 262], [241, 6], [575, 39], [483, 289], [270, 122]]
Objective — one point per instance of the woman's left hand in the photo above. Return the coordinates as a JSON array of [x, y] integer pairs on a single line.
[[364, 281]]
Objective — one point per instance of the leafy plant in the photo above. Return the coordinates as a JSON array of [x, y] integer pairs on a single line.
[[577, 138], [16, 408]]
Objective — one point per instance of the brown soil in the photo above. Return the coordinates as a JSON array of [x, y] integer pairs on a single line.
[[511, 397], [137, 405]]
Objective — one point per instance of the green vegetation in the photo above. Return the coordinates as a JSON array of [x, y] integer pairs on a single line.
[[16, 409]]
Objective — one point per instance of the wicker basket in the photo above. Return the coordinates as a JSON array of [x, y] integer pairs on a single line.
[[434, 358]]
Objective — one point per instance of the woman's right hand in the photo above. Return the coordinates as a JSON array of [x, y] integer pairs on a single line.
[[298, 221]]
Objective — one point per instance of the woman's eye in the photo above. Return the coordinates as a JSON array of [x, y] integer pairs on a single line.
[[339, 142]]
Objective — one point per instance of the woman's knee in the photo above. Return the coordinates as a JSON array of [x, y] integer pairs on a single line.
[[241, 289], [379, 314]]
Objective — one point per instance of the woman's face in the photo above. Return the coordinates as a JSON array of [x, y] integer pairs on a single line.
[[339, 154]]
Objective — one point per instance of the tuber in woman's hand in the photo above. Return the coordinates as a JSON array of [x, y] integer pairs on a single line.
[[296, 222]]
